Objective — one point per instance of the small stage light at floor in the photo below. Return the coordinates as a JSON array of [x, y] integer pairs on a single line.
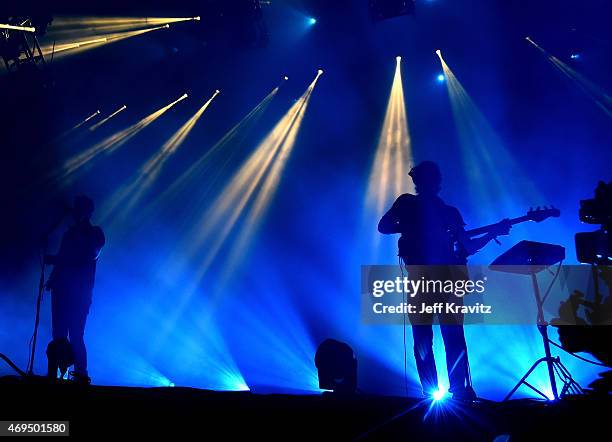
[[440, 78], [575, 56], [337, 367], [285, 78], [312, 21]]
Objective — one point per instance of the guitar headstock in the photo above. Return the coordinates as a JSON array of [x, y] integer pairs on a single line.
[[540, 214]]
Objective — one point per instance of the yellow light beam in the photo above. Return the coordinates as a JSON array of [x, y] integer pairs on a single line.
[[205, 172], [100, 123], [18, 28], [392, 161], [591, 89], [109, 144], [67, 26], [67, 46], [269, 185], [218, 221], [128, 196], [72, 47], [96, 113]]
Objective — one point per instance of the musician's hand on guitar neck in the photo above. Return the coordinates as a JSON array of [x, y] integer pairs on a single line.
[[501, 228]]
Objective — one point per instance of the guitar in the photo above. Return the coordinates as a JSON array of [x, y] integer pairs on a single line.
[[537, 215]]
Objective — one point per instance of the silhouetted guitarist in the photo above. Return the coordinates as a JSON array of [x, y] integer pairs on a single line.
[[430, 232]]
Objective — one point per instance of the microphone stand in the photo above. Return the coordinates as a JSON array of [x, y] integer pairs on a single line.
[[41, 289]]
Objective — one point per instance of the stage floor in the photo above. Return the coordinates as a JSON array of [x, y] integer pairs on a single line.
[[110, 411]]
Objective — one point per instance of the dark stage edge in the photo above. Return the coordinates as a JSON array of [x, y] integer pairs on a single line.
[[114, 411]]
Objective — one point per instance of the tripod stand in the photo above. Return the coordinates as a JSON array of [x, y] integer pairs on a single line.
[[553, 364]]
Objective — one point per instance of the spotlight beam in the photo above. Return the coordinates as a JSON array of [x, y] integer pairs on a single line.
[[128, 196], [93, 41], [100, 123], [482, 152], [18, 28], [200, 168], [219, 220], [270, 184], [233, 199], [392, 161], [592, 90], [66, 28], [95, 114], [109, 144]]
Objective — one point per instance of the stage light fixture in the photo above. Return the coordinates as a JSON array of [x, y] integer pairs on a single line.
[[320, 72], [575, 56], [285, 78], [312, 21], [398, 58], [197, 18], [440, 78], [337, 367]]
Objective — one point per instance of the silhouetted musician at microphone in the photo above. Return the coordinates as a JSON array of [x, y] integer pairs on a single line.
[[430, 232], [71, 284]]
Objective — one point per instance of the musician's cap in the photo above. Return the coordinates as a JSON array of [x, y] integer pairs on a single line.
[[426, 170]]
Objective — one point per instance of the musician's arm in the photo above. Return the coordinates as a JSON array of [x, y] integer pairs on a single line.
[[390, 222], [473, 245]]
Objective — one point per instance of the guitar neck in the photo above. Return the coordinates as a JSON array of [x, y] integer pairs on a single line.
[[485, 229]]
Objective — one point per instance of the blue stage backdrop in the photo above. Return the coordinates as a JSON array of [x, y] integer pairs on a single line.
[[175, 304]]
